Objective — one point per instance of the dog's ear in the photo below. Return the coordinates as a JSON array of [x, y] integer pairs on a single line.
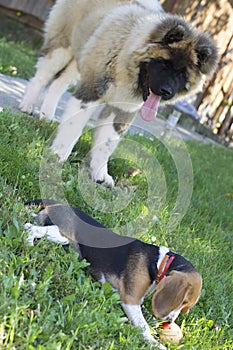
[[207, 58], [170, 294], [175, 34], [207, 53]]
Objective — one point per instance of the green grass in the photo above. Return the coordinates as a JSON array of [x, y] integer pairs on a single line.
[[19, 48], [47, 299]]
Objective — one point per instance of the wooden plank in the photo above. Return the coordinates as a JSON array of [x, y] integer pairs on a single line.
[[39, 9]]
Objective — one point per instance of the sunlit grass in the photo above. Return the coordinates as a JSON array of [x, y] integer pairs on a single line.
[[47, 300]]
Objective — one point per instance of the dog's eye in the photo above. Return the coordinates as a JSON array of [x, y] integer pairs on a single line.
[[182, 74], [165, 63], [162, 62]]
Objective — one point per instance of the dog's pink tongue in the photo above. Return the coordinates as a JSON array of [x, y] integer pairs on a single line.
[[150, 107]]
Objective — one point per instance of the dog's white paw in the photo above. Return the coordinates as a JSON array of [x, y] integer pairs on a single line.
[[153, 341], [61, 153], [160, 346], [30, 97], [26, 106], [47, 111], [28, 226], [157, 344], [34, 231], [100, 173], [62, 150], [30, 238], [103, 178]]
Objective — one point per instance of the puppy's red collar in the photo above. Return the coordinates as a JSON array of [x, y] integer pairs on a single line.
[[164, 266]]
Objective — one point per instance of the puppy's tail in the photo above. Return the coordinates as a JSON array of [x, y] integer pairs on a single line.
[[41, 203]]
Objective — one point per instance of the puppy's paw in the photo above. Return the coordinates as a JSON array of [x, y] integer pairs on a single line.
[[30, 238], [28, 226], [149, 337], [26, 106], [154, 342], [60, 151], [160, 346], [104, 179], [47, 111]]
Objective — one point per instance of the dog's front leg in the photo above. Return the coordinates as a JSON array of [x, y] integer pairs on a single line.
[[74, 119], [106, 140], [112, 123], [134, 314]]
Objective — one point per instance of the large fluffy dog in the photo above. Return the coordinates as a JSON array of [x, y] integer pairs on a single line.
[[131, 266], [122, 52]]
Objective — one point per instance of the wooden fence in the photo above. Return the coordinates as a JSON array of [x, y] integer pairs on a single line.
[[31, 12], [215, 103]]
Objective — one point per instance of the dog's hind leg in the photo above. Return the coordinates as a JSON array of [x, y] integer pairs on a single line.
[[51, 232], [47, 68], [73, 121], [59, 85]]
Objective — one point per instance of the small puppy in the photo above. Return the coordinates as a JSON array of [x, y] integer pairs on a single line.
[[131, 266]]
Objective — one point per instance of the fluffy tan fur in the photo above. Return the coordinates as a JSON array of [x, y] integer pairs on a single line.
[[114, 49], [124, 36]]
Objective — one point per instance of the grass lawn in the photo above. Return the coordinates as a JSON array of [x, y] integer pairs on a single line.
[[47, 300]]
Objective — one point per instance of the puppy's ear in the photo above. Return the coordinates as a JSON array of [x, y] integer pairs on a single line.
[[175, 34], [170, 294], [207, 53], [207, 59]]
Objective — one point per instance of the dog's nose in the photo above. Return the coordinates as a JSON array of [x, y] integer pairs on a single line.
[[166, 92]]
